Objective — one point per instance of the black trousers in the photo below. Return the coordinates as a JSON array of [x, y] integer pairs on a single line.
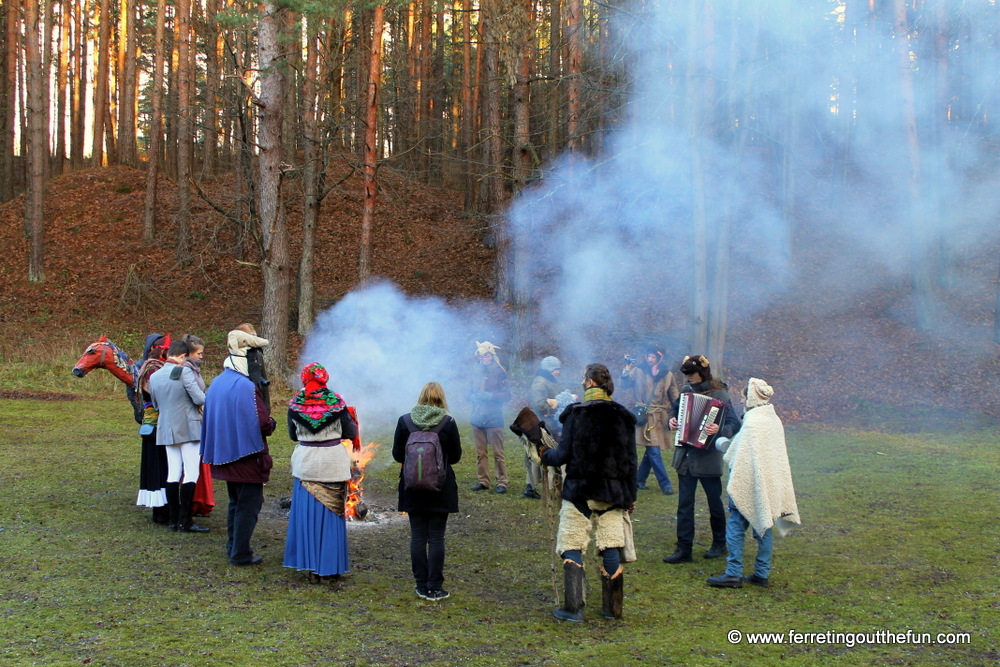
[[245, 501], [687, 485], [427, 548]]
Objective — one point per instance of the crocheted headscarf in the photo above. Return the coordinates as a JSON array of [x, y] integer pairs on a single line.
[[315, 406]]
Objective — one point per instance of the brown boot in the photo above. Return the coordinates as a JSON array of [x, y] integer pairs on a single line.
[[574, 580], [612, 592]]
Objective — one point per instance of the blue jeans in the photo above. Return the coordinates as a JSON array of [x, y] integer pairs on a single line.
[[653, 460], [735, 533]]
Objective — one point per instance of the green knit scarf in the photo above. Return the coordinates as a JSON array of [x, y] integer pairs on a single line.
[[596, 394]]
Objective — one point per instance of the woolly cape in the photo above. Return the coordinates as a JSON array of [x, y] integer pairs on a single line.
[[230, 427], [760, 479]]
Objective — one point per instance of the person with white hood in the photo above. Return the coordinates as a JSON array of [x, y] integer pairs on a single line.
[[761, 495]]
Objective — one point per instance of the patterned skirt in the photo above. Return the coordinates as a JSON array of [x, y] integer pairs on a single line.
[[317, 538]]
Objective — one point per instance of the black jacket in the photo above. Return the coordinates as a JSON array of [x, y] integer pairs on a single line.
[[706, 462], [445, 500], [598, 449]]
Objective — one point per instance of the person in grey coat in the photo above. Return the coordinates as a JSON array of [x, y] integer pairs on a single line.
[[178, 397]]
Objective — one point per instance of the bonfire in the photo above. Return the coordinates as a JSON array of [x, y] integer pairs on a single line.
[[355, 508]]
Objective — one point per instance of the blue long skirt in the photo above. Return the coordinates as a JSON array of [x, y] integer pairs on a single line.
[[317, 538]]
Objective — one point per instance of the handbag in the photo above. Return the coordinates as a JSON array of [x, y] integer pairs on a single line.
[[641, 416]]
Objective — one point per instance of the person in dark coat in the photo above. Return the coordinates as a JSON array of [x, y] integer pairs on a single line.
[[695, 465], [235, 426], [428, 510], [598, 450]]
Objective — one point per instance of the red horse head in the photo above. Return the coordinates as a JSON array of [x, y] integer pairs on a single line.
[[103, 353]]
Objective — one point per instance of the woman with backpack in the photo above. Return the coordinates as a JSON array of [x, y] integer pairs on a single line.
[[427, 443], [319, 421]]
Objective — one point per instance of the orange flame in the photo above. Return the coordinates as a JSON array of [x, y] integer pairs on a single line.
[[355, 490]]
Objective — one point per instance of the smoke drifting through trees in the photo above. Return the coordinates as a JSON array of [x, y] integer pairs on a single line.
[[765, 147]]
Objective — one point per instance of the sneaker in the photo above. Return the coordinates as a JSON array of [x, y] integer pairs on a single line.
[[669, 491], [422, 593], [642, 487], [531, 493], [501, 488], [439, 594], [479, 486]]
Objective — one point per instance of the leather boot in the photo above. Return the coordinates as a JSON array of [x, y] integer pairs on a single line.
[[185, 524], [682, 555], [161, 515], [717, 550], [574, 580], [173, 504], [612, 592]]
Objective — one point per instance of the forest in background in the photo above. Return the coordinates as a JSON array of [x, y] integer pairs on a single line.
[[826, 127]]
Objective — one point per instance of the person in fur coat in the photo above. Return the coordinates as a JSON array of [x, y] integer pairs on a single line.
[[761, 495], [695, 465], [598, 450]]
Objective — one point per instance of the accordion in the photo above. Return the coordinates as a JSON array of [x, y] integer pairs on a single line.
[[695, 413]]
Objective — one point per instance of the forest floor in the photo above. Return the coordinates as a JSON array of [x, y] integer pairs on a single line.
[[838, 351]]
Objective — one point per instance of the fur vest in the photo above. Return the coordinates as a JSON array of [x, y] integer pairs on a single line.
[[598, 450]]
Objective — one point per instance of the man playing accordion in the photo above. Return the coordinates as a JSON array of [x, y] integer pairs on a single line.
[[704, 464]]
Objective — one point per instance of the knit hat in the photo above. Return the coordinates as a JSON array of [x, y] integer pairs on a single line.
[[697, 364], [758, 393], [550, 364]]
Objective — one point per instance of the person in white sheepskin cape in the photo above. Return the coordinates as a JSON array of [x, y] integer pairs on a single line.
[[761, 495]]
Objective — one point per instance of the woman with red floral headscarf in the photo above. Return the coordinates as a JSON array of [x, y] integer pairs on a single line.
[[319, 421]]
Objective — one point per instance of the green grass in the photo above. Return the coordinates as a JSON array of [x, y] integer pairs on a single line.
[[899, 533]]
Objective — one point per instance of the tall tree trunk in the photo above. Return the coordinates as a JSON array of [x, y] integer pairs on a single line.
[[9, 101], [695, 105], [212, 46], [574, 38], [468, 112], [184, 131], [371, 145], [129, 36], [155, 127], [61, 79], [101, 88], [34, 15], [276, 260], [491, 190], [555, 74], [922, 290], [78, 112], [312, 180]]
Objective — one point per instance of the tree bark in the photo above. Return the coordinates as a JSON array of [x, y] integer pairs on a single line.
[[313, 182], [371, 145], [79, 80], [155, 127], [62, 79], [9, 101], [37, 117], [184, 131], [275, 264], [101, 88], [574, 38], [210, 157], [127, 81]]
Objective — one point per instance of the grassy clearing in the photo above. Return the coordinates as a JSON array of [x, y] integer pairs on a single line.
[[899, 534]]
